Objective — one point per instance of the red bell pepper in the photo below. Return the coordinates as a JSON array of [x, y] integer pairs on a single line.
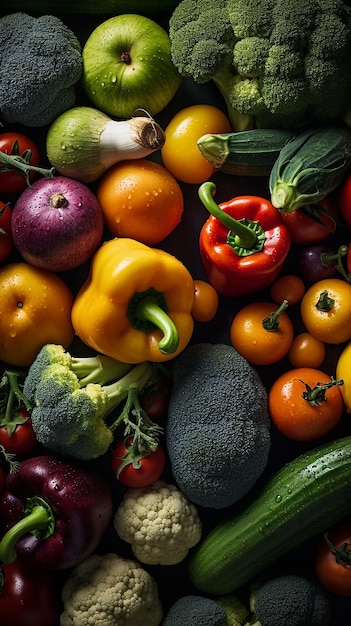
[[243, 244], [54, 513]]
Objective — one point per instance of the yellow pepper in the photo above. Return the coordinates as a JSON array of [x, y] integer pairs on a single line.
[[136, 303]]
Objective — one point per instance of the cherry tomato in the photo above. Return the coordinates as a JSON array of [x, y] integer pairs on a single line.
[[2, 480], [304, 230], [11, 181], [180, 153], [326, 310], [22, 440], [306, 351], [6, 239], [28, 596], [205, 302], [289, 287], [261, 345], [317, 262], [155, 398], [332, 559], [301, 407], [146, 472]]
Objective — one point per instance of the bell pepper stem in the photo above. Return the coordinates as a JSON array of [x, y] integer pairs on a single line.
[[246, 237], [38, 520], [148, 310]]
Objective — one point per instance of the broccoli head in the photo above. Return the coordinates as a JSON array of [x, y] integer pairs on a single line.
[[290, 599], [40, 64], [218, 426], [195, 610], [276, 63], [71, 402]]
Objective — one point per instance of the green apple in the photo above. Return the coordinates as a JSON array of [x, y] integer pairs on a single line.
[[127, 66]]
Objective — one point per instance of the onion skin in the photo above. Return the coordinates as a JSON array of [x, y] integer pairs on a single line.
[[62, 237]]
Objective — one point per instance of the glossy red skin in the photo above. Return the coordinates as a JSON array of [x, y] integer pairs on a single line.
[[305, 231], [29, 597], [233, 275], [155, 400], [81, 502], [334, 577], [23, 438], [6, 239], [151, 468], [12, 181]]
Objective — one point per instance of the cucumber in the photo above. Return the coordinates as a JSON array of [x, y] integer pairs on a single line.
[[301, 500], [107, 7], [309, 167], [244, 153]]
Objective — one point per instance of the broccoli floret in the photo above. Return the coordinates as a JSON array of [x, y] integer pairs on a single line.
[[292, 600], [70, 409], [277, 64], [40, 64], [195, 610], [218, 426]]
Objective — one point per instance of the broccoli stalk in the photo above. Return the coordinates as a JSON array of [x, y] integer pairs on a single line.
[[72, 398]]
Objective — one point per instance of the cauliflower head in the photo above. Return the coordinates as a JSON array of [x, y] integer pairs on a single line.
[[109, 590], [159, 522]]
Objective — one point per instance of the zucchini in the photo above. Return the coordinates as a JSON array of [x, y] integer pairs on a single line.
[[244, 153], [107, 7], [301, 500], [309, 167]]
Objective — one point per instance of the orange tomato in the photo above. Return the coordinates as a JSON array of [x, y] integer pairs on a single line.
[[326, 310], [141, 200], [180, 153], [289, 287], [259, 345], [205, 301], [35, 309], [301, 407], [306, 351]]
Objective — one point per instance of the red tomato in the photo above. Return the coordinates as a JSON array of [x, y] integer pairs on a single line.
[[155, 399], [332, 563], [304, 230], [141, 474], [6, 240], [28, 596], [23, 438], [11, 181]]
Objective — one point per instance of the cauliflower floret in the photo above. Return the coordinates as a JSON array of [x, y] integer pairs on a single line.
[[106, 590], [159, 522]]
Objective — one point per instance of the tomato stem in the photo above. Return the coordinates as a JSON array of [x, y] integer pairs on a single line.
[[342, 554], [327, 258], [271, 322], [316, 395], [325, 302]]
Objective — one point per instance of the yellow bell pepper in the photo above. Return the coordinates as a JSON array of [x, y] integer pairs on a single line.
[[136, 303]]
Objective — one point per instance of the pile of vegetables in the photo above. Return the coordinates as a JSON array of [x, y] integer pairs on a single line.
[[175, 319]]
